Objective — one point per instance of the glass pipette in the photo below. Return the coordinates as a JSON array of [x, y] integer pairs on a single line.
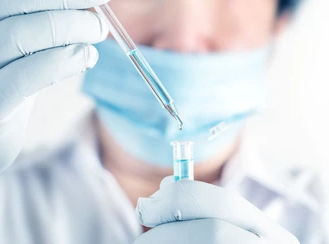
[[139, 62]]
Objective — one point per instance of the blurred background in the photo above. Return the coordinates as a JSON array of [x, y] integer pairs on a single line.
[[295, 128]]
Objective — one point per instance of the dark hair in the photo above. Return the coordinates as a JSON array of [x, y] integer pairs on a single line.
[[287, 5]]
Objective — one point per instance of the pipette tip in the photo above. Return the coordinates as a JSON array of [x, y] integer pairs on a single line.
[[173, 111], [180, 122]]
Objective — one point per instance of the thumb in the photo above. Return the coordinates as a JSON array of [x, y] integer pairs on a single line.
[[167, 181], [12, 132]]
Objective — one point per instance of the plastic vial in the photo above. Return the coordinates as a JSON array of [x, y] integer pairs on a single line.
[[183, 160]]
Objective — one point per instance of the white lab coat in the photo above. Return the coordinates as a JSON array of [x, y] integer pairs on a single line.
[[64, 196]]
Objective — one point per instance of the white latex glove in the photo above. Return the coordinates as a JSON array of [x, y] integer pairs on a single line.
[[37, 49], [195, 212]]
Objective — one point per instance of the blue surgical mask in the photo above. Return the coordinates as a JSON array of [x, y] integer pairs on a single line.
[[207, 89]]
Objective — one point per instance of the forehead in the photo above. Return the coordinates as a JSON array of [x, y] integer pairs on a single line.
[[214, 24]]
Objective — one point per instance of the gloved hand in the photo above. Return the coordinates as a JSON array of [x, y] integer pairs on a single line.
[[37, 49], [195, 212]]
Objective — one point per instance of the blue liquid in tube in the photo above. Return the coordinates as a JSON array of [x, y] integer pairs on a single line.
[[183, 169]]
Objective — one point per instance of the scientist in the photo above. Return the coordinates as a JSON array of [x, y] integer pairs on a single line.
[[211, 57]]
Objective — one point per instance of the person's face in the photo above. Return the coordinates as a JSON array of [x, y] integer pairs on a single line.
[[196, 25]]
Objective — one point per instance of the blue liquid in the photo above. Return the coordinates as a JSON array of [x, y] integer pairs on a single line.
[[149, 77], [184, 169]]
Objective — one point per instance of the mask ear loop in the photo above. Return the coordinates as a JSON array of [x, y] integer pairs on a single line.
[[216, 130], [225, 125]]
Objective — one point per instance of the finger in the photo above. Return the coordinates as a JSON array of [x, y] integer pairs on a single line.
[[13, 131], [28, 75], [166, 181], [186, 200], [26, 34], [15, 7], [210, 231]]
